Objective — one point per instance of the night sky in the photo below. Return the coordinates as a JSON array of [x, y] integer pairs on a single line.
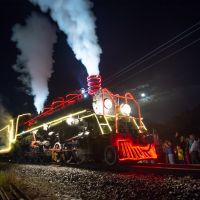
[[127, 30]]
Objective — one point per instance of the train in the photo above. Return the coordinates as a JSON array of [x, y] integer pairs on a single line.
[[87, 125]]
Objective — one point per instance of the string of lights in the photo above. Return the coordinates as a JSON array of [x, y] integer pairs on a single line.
[[154, 52]]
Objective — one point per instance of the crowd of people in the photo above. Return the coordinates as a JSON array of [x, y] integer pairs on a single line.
[[180, 150]]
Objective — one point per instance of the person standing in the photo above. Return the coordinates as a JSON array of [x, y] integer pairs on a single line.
[[187, 154], [169, 152], [175, 143], [194, 150], [180, 155], [183, 146]]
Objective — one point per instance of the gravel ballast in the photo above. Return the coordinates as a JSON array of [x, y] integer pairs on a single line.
[[54, 182]]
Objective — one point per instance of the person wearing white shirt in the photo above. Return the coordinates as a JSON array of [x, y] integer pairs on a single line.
[[194, 150]]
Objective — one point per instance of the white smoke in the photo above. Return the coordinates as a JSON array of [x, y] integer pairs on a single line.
[[4, 121], [77, 21], [35, 41], [5, 117]]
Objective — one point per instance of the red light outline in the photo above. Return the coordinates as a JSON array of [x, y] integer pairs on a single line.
[[129, 151], [116, 99], [94, 84], [56, 105]]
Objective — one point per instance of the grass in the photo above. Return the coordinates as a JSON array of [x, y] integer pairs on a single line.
[[7, 175], [6, 178]]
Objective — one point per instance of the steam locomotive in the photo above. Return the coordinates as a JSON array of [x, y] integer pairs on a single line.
[[92, 124]]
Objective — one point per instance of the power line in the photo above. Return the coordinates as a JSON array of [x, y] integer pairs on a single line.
[[153, 53], [160, 60], [160, 47]]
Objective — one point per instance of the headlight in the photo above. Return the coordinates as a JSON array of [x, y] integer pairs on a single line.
[[107, 103], [125, 109]]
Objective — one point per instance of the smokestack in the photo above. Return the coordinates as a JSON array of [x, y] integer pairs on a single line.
[[94, 84]]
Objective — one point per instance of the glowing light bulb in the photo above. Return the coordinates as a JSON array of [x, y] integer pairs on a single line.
[[125, 109], [70, 121], [82, 90]]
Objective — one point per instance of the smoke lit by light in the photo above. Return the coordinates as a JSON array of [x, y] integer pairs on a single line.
[[76, 20], [35, 41]]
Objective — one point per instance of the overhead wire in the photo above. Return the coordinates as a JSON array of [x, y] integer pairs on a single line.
[[153, 53], [160, 60]]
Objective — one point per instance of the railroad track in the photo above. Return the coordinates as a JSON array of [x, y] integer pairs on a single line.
[[12, 192], [157, 169]]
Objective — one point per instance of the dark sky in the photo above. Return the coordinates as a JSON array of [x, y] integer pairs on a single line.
[[127, 30]]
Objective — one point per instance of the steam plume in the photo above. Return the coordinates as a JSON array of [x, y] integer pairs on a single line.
[[5, 117], [35, 41], [77, 21]]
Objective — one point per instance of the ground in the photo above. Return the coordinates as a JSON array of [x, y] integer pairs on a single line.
[[67, 183]]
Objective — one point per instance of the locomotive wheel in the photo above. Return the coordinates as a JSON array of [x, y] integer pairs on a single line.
[[110, 156]]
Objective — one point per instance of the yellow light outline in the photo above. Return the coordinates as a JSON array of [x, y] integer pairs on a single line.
[[61, 119], [54, 124], [51, 122], [17, 125], [90, 115], [107, 123], [133, 118], [134, 121], [11, 132], [7, 126], [102, 132], [145, 128]]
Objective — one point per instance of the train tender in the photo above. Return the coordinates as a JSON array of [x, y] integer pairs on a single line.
[[92, 124]]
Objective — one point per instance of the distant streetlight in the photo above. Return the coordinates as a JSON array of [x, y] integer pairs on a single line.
[[143, 95]]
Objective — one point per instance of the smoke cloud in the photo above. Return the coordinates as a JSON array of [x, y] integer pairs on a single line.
[[5, 120], [76, 20], [5, 117], [35, 41]]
